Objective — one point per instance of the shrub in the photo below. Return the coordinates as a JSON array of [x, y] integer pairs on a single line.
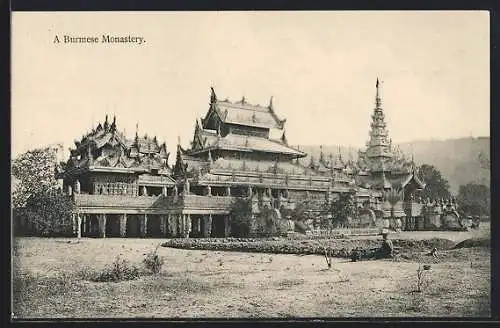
[[119, 270], [241, 218], [422, 278], [153, 262]]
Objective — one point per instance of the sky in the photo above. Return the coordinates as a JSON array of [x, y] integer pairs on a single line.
[[320, 68]]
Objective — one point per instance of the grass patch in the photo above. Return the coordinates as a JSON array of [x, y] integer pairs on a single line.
[[119, 270], [47, 283], [473, 242], [289, 283]]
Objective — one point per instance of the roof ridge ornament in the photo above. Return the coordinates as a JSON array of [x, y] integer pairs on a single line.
[[213, 96], [283, 138]]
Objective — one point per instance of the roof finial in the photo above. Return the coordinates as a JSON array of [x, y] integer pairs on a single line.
[[210, 156], [378, 102], [283, 138], [271, 103], [113, 125], [106, 124], [243, 99], [213, 96], [321, 155]]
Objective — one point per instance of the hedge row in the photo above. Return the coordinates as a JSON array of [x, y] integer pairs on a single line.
[[338, 248]]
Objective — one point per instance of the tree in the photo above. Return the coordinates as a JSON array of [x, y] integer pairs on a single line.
[[34, 173], [338, 212], [241, 217], [485, 164], [301, 212], [484, 160], [474, 199], [36, 197], [436, 186], [49, 213]]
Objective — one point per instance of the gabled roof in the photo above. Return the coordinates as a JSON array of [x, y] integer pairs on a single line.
[[249, 115], [243, 113], [409, 178]]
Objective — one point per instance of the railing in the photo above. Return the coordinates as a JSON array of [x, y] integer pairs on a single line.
[[155, 179], [207, 202], [85, 200]]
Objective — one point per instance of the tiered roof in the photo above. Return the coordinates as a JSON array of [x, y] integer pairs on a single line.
[[255, 117], [107, 147], [244, 143]]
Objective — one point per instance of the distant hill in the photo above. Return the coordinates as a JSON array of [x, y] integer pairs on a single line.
[[457, 159]]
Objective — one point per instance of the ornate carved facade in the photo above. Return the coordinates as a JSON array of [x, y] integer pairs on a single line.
[[125, 187]]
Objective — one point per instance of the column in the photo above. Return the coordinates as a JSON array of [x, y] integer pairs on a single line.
[[170, 225], [85, 224], [188, 225], [79, 226], [208, 226], [209, 191], [228, 191], [102, 225], [227, 225], [163, 225], [198, 226], [144, 225], [180, 227], [123, 225], [73, 218]]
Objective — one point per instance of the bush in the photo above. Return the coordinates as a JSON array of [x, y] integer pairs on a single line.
[[153, 262], [48, 213], [241, 218], [119, 270]]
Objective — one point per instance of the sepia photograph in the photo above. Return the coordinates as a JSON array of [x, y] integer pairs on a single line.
[[250, 165]]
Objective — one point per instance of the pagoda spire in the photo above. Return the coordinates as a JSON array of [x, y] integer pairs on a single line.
[[379, 147], [321, 155], [312, 164]]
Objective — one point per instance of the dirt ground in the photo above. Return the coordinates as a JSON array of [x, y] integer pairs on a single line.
[[195, 283]]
